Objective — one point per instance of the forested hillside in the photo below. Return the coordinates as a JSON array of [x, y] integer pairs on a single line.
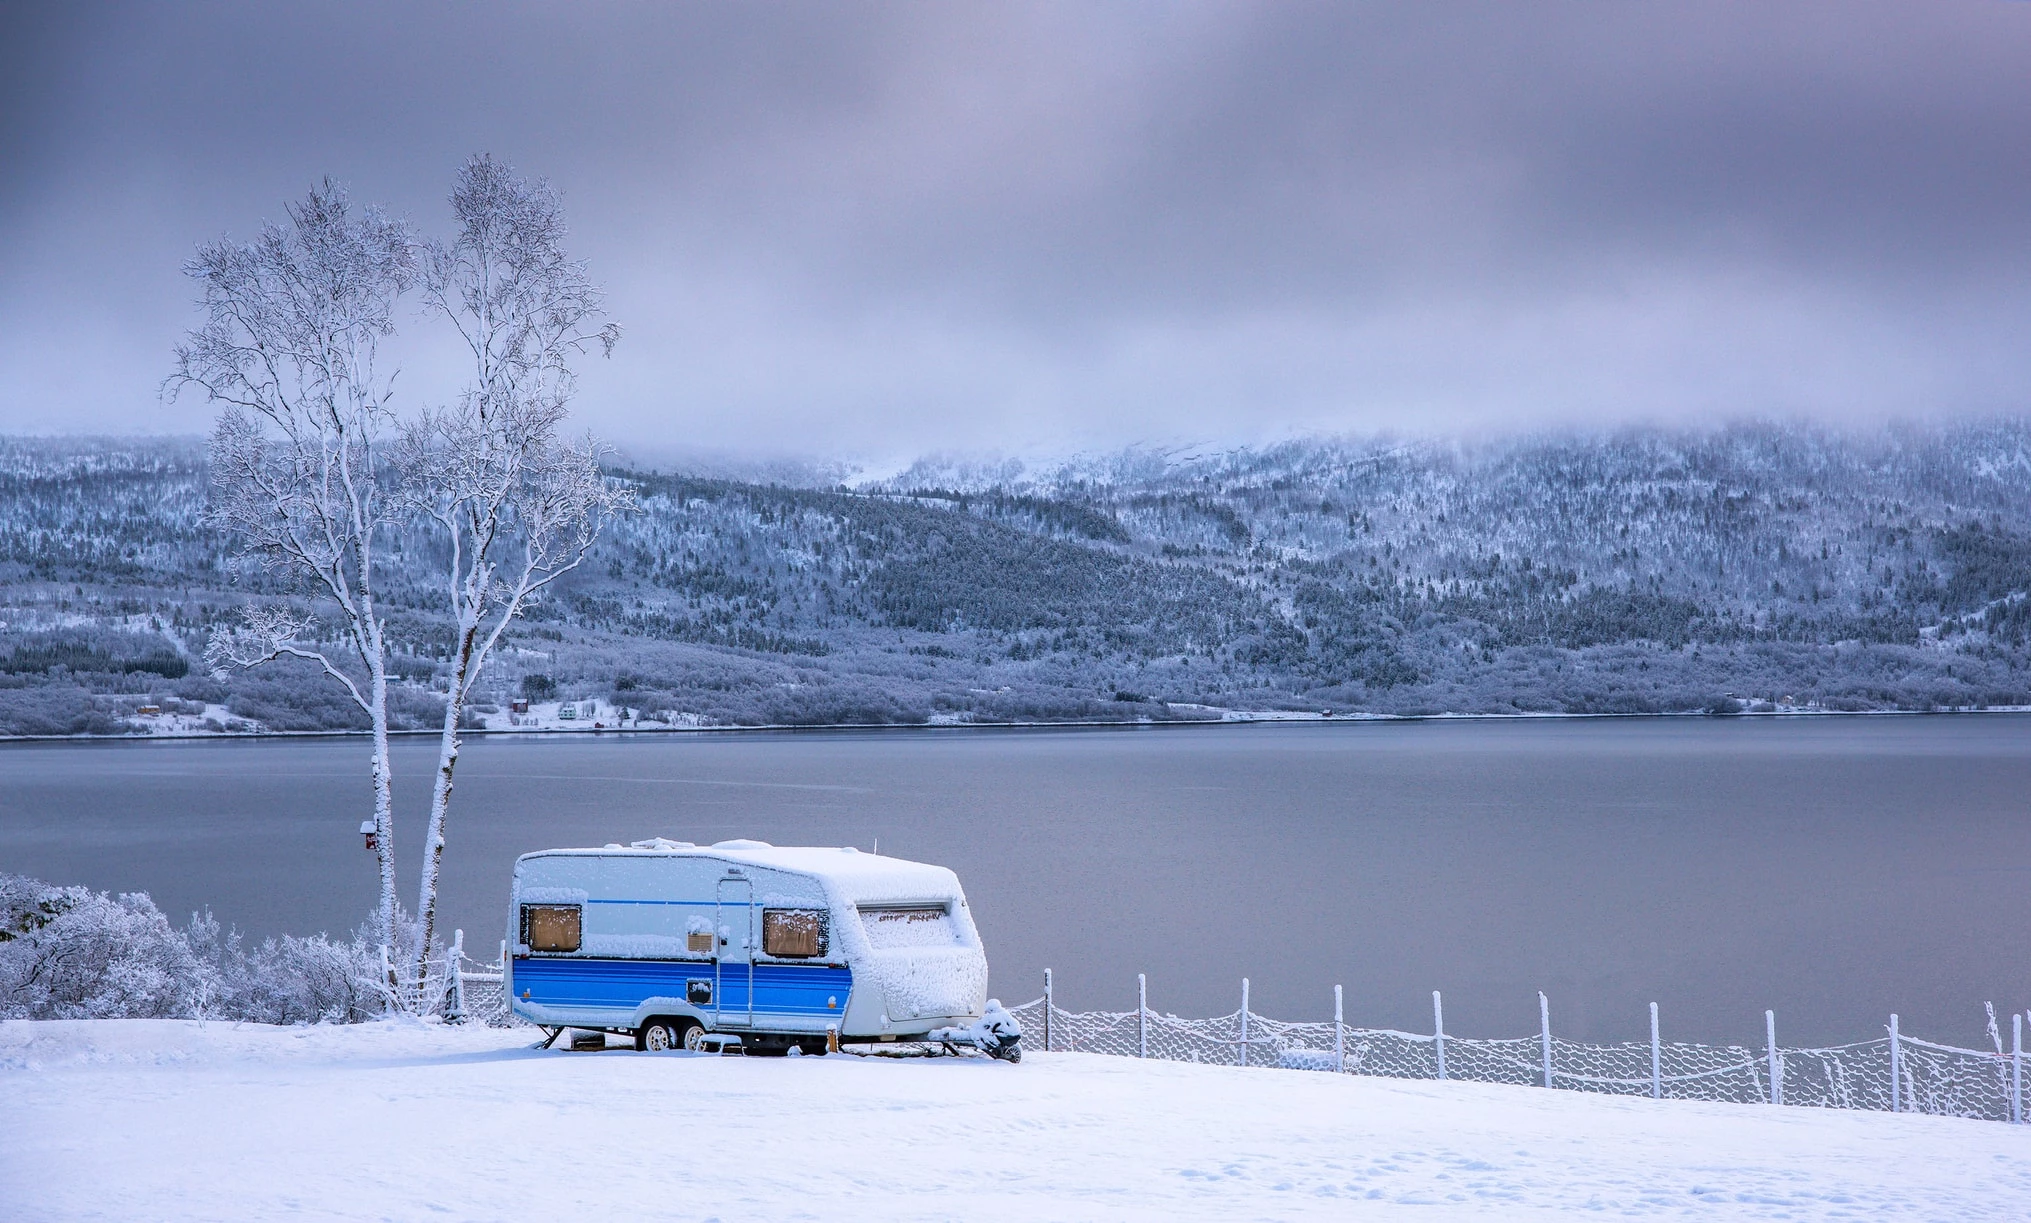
[[1643, 571]]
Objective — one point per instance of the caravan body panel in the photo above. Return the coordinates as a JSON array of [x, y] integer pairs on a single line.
[[619, 988]]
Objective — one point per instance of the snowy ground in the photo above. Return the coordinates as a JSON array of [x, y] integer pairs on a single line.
[[132, 1119]]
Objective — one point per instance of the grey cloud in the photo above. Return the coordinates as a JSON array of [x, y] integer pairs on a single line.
[[897, 228]]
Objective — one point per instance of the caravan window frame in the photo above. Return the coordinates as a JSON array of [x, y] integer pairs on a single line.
[[529, 909], [821, 920]]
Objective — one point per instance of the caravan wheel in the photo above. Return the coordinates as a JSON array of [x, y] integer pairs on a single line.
[[694, 1038], [657, 1036]]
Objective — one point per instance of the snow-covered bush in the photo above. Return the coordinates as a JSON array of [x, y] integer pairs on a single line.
[[285, 980], [72, 953]]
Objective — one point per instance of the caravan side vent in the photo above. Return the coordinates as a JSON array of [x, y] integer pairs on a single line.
[[793, 933], [551, 927]]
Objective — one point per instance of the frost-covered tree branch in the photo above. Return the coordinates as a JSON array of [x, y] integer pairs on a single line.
[[265, 634], [289, 349], [516, 505]]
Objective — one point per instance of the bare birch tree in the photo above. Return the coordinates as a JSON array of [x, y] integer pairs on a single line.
[[292, 328], [514, 503]]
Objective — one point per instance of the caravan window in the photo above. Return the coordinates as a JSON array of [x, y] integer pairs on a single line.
[[793, 933], [550, 927], [907, 925]]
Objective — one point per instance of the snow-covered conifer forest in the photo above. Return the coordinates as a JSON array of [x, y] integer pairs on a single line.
[[1741, 569]]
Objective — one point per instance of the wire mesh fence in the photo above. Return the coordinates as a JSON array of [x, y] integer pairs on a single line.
[[480, 993], [1892, 1073]]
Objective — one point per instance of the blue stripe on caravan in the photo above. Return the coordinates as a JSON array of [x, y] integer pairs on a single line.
[[780, 989], [596, 901]]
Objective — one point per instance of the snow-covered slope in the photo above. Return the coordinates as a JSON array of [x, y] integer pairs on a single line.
[[152, 1119], [1777, 567]]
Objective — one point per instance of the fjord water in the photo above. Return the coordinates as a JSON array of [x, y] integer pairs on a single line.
[[1834, 869]]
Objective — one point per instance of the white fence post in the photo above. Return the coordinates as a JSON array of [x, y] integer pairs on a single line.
[[1244, 1021], [1776, 1062], [1141, 1015], [1544, 1027], [1339, 1033], [1656, 1061], [1896, 1060], [2016, 1068], [1047, 1010], [1439, 1033], [456, 1011]]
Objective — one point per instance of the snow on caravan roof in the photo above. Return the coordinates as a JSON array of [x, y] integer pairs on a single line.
[[856, 877]]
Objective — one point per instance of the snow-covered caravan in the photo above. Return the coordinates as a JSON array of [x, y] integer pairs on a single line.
[[673, 942]]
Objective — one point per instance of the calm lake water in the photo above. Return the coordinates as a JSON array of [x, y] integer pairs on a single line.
[[1834, 869]]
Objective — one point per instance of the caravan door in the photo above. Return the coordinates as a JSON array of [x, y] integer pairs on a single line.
[[733, 990]]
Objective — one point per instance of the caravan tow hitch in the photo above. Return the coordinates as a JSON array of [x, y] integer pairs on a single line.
[[996, 1033]]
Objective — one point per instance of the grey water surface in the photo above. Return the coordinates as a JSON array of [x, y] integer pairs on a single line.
[[1835, 869]]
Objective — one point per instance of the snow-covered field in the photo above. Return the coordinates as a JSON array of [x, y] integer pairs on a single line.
[[157, 1119]]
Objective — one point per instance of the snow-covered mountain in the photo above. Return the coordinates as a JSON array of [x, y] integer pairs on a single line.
[[1642, 570]]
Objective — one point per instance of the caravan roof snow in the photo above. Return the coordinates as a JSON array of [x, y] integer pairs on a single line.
[[855, 877]]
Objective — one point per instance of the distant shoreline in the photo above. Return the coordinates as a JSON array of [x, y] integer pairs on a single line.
[[1263, 719]]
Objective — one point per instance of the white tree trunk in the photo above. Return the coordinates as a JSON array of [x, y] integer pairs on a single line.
[[440, 804], [384, 803]]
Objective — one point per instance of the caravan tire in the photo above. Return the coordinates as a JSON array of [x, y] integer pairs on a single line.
[[657, 1036], [694, 1038]]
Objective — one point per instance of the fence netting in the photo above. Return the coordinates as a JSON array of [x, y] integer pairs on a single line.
[[480, 996], [1932, 1078], [1943, 1080]]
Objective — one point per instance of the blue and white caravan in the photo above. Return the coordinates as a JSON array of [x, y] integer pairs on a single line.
[[777, 948]]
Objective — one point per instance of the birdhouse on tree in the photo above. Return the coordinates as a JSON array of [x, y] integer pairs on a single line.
[[367, 831]]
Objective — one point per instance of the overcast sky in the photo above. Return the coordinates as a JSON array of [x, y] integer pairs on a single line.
[[878, 230]]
